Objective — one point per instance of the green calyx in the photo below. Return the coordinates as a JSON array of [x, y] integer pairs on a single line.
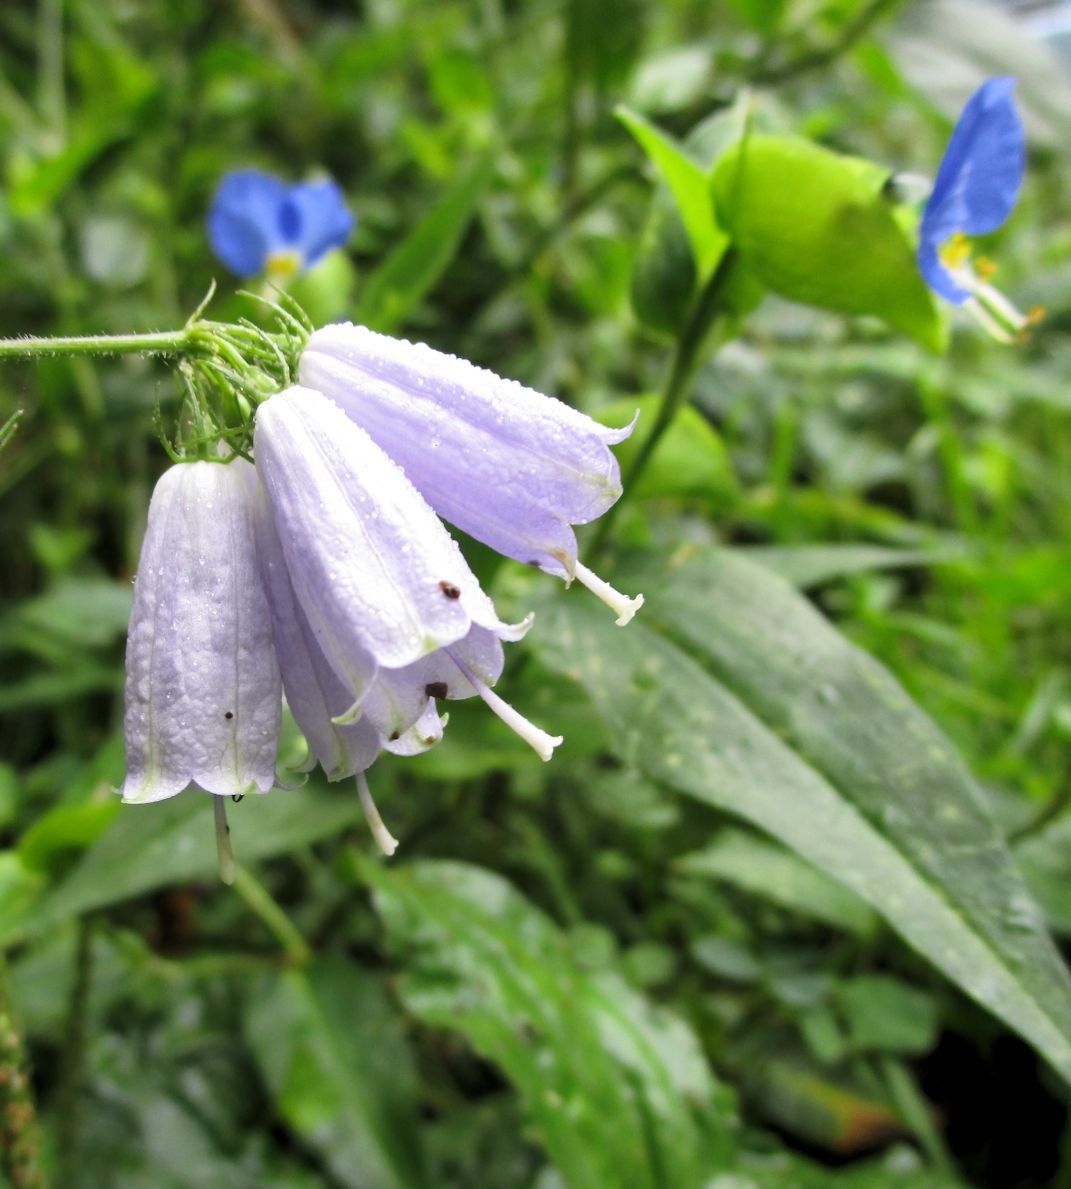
[[227, 370]]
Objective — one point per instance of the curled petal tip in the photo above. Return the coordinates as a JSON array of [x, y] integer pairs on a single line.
[[517, 631]]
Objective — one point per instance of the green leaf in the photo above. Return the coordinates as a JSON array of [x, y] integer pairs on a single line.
[[151, 846], [664, 275], [76, 613], [766, 870], [815, 227], [764, 710], [421, 258], [332, 1053], [691, 461], [885, 1014], [815, 565], [618, 1091], [63, 829], [690, 186]]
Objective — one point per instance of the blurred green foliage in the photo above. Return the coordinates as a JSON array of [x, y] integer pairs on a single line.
[[676, 955]]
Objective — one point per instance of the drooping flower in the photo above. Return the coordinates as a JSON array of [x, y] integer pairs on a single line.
[[203, 692], [377, 585], [975, 190], [505, 464], [258, 223]]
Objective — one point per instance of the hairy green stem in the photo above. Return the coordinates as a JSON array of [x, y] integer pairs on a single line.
[[167, 342]]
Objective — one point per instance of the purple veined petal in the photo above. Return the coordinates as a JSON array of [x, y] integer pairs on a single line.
[[371, 565], [315, 693], [507, 465], [203, 695]]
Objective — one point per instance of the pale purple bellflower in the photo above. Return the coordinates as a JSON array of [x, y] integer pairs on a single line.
[[976, 188], [203, 696], [329, 569], [509, 466], [257, 223]]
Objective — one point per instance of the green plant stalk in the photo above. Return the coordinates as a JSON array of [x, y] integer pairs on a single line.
[[19, 1142], [914, 1111], [69, 1104], [263, 904], [682, 372], [167, 342]]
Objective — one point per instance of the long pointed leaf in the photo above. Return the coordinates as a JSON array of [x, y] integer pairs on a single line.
[[746, 698]]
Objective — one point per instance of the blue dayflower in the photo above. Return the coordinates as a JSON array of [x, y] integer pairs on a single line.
[[976, 188], [258, 223]]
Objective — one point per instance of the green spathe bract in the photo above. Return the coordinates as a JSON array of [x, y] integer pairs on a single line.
[[815, 227]]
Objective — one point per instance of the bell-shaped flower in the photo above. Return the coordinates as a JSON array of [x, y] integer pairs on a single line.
[[505, 464], [379, 587], [203, 693], [258, 223], [975, 190]]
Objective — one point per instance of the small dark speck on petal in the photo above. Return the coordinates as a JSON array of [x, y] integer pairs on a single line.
[[450, 590], [534, 563], [229, 715], [436, 689], [395, 735]]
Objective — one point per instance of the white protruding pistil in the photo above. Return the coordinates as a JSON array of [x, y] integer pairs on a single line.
[[536, 738], [622, 606], [384, 839]]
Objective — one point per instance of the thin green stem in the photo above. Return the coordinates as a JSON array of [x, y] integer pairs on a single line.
[[69, 1099], [167, 342], [813, 59], [916, 1113], [261, 901], [52, 96], [1047, 814], [682, 371]]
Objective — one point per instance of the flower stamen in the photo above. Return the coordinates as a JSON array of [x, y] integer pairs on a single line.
[[384, 839], [283, 263], [624, 607], [536, 738]]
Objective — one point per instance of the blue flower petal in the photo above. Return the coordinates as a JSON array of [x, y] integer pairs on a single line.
[[977, 182], [243, 221], [315, 219]]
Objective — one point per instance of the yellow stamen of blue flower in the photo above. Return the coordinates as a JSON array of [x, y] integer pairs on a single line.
[[956, 252], [284, 264], [989, 307]]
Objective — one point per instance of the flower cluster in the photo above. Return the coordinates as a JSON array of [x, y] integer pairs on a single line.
[[975, 190], [322, 569]]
